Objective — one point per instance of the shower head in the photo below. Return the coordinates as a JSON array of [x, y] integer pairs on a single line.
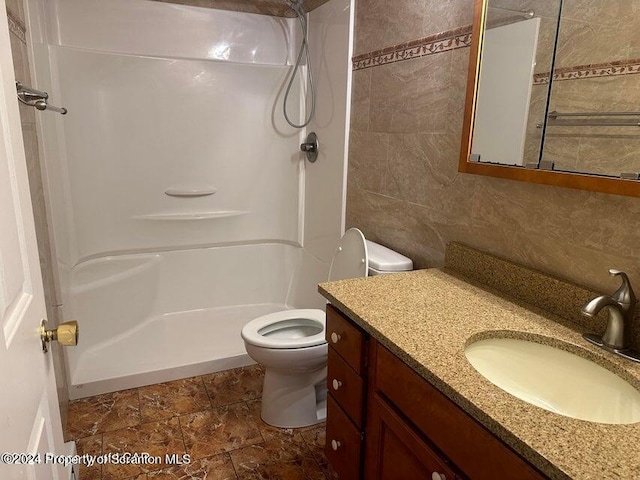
[[297, 6]]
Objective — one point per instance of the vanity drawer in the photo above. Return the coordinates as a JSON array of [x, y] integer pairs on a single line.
[[347, 339], [346, 386], [468, 444], [343, 443]]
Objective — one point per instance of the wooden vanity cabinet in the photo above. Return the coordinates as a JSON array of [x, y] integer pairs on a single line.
[[389, 423]]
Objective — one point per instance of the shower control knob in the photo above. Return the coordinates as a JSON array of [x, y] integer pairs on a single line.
[[310, 147], [335, 337], [336, 384], [335, 445]]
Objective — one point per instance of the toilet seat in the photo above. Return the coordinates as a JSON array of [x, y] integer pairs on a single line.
[[287, 329]]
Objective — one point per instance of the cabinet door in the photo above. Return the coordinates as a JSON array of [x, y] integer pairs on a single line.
[[472, 448], [396, 452]]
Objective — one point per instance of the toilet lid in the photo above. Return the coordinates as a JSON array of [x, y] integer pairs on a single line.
[[350, 259]]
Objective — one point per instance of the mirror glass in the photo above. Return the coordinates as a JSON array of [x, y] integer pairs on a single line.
[[594, 107], [559, 87], [517, 55]]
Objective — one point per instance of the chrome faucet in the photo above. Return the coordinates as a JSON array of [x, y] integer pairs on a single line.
[[621, 308]]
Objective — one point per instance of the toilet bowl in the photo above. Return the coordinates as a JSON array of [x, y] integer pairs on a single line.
[[291, 344]]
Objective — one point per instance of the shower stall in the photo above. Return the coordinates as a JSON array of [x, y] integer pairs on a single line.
[[180, 204]]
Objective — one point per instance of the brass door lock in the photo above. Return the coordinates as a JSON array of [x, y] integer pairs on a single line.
[[66, 334]]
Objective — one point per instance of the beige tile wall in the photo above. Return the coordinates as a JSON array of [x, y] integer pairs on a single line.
[[381, 23], [404, 189], [15, 10]]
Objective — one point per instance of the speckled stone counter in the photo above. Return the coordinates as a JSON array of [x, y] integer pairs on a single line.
[[427, 317]]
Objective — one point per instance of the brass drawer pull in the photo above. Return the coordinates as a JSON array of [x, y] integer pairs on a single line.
[[335, 337], [336, 384], [335, 445]]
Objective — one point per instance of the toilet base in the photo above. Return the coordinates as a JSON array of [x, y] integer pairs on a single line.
[[294, 400]]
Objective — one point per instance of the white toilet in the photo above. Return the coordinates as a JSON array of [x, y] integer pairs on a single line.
[[291, 344]]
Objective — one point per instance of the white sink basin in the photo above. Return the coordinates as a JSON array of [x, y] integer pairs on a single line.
[[555, 380]]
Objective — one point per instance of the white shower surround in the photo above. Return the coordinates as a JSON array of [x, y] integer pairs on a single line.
[[148, 317], [162, 285]]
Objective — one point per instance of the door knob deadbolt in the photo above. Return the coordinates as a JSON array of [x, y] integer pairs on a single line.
[[66, 334], [310, 147]]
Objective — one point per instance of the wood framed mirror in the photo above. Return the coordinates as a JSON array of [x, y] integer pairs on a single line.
[[553, 96]]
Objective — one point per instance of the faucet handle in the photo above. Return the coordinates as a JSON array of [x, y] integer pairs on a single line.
[[624, 295]]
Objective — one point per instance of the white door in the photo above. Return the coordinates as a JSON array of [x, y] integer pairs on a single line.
[[29, 415]]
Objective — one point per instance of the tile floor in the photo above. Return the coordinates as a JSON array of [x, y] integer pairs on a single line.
[[214, 418]]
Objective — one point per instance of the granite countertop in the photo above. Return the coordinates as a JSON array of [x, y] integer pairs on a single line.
[[427, 317]]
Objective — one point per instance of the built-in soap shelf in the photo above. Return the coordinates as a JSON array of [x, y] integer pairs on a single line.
[[190, 191], [187, 191], [191, 215]]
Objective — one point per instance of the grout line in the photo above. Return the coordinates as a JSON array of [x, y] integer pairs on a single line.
[[184, 443], [139, 406], [206, 390], [186, 450], [230, 461], [264, 440]]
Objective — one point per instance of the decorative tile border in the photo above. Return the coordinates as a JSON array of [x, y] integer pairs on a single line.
[[440, 42], [16, 26], [624, 67], [461, 38]]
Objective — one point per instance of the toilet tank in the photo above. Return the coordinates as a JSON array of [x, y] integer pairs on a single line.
[[384, 260]]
